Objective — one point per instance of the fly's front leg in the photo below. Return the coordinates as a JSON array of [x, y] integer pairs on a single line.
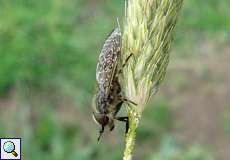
[[123, 119], [126, 120], [118, 107], [111, 127], [100, 132]]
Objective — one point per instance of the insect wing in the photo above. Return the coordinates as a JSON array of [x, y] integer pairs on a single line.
[[106, 66]]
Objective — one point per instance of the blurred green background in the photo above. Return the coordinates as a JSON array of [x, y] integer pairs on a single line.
[[48, 55]]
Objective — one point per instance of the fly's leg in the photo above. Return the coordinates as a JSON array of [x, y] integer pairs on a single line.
[[126, 120], [111, 127], [124, 99], [100, 132], [123, 119], [126, 61], [118, 107]]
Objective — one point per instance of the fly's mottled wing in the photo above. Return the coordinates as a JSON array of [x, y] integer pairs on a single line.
[[108, 58]]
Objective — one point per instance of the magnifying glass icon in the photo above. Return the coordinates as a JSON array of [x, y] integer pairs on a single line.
[[9, 147]]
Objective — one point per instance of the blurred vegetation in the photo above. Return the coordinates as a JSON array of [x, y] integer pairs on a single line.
[[49, 50], [169, 150]]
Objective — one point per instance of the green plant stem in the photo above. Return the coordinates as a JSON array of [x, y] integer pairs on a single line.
[[134, 118]]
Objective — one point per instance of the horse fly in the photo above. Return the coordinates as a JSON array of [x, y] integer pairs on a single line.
[[108, 97]]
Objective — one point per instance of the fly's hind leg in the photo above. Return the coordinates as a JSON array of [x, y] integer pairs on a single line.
[[126, 61], [124, 99]]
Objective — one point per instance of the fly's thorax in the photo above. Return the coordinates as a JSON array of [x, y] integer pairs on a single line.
[[107, 103], [116, 87]]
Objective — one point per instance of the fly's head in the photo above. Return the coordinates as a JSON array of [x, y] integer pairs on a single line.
[[100, 118], [100, 113]]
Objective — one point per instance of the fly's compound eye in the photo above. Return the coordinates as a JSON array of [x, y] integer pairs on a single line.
[[101, 119]]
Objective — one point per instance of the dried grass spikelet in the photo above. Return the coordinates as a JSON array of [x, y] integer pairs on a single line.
[[147, 35]]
